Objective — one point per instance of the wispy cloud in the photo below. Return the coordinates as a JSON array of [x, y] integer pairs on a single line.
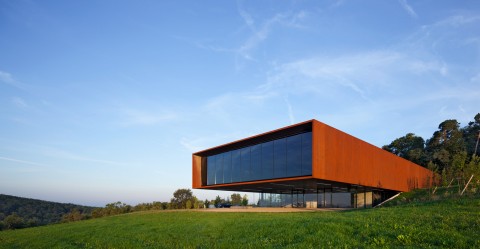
[[260, 34], [8, 79], [192, 145], [62, 154], [257, 37], [134, 117], [457, 20], [198, 144], [247, 18], [408, 76], [408, 8], [19, 102], [361, 73], [257, 32], [291, 117], [337, 3], [21, 161], [228, 108]]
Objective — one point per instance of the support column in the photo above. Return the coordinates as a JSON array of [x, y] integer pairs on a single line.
[[331, 197], [324, 198], [364, 197], [292, 199], [355, 198], [303, 195]]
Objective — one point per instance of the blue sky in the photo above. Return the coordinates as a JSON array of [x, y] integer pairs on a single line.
[[103, 101]]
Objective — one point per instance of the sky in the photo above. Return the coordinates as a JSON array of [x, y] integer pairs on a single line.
[[104, 101]]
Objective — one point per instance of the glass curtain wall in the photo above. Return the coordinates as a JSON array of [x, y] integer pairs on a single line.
[[285, 157]]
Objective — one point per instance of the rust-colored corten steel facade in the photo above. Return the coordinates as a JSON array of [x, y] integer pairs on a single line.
[[338, 161]]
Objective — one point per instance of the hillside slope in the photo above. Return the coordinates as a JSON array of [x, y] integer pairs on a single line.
[[444, 223], [37, 212]]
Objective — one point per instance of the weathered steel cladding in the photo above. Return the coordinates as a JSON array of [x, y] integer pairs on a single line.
[[197, 171], [336, 156]]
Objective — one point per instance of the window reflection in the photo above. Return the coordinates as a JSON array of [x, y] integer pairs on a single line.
[[280, 158], [246, 164], [267, 160], [256, 162], [285, 157], [211, 170], [294, 155], [236, 166], [227, 167]]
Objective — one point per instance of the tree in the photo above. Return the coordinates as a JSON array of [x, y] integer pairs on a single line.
[[410, 147], [113, 208], [180, 198], [196, 204], [188, 205], [471, 133], [445, 142], [449, 152], [74, 215], [245, 200], [14, 221], [218, 201], [236, 199], [207, 203]]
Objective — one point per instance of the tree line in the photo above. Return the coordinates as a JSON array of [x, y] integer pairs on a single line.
[[452, 151], [182, 199], [18, 212]]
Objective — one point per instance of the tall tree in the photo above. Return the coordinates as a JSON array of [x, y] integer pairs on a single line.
[[245, 200], [445, 143], [471, 134], [236, 199], [410, 147], [218, 201], [180, 198]]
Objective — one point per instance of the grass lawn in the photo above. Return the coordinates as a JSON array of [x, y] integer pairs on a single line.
[[451, 223]]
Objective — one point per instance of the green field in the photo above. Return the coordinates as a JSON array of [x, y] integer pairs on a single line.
[[451, 223]]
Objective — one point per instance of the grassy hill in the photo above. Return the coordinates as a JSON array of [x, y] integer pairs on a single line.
[[37, 212], [449, 223]]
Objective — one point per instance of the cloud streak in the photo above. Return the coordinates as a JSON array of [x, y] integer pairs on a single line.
[[57, 153], [361, 73], [134, 117], [21, 161], [19, 102], [8, 79], [261, 33], [406, 77], [291, 117], [408, 8]]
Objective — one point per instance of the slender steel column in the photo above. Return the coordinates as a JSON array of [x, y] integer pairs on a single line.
[[331, 197], [292, 198], [304, 204], [364, 197], [324, 198]]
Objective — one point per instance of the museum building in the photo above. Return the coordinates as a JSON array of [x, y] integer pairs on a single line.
[[309, 164]]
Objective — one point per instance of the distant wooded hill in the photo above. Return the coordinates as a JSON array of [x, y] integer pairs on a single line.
[[19, 212]]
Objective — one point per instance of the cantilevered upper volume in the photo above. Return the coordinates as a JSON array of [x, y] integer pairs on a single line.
[[306, 157]]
